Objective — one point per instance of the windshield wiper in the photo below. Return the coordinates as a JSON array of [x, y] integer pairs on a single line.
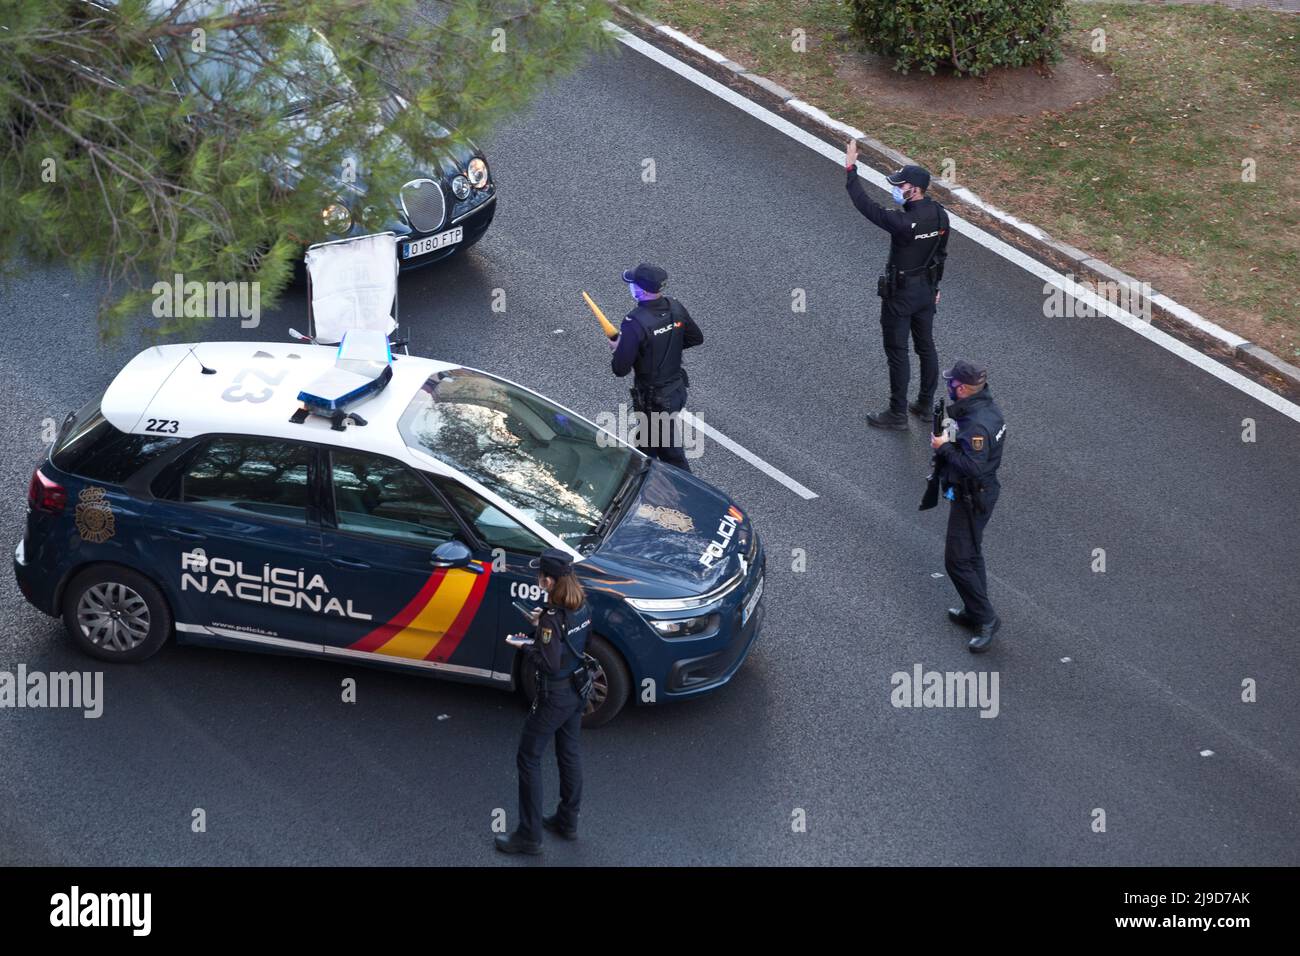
[[615, 508]]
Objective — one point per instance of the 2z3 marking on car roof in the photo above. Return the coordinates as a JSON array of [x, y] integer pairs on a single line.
[[235, 392]]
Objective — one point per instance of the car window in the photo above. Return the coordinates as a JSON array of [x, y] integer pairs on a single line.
[[250, 476], [230, 66], [379, 496], [494, 526], [92, 448]]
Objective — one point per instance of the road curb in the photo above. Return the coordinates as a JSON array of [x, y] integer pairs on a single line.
[[1203, 334]]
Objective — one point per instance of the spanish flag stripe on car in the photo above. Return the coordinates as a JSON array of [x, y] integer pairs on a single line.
[[459, 627], [431, 622], [380, 635]]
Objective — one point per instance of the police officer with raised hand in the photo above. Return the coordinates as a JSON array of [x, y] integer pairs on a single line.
[[968, 473], [559, 640], [909, 289], [650, 342]]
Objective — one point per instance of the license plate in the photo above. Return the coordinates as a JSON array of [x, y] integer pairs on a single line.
[[751, 603], [431, 243]]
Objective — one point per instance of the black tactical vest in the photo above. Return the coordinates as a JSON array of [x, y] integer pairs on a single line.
[[659, 360], [927, 236]]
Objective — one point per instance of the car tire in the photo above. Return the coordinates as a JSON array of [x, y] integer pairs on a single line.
[[116, 614], [613, 684], [617, 684]]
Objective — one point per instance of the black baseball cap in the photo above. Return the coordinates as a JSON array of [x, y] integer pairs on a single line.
[[968, 373], [651, 278], [918, 176], [553, 563]]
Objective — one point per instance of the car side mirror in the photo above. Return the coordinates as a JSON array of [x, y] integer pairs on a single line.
[[455, 554]]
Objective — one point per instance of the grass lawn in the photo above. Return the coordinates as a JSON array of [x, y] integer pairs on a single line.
[[1148, 176]]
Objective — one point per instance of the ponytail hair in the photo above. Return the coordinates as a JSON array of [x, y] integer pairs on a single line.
[[567, 593]]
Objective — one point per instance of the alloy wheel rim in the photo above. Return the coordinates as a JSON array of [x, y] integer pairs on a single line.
[[599, 687], [113, 616]]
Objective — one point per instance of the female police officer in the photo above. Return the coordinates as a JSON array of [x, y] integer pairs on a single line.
[[560, 633]]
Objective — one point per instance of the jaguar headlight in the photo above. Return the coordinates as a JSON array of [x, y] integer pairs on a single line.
[[336, 217], [460, 186], [477, 172]]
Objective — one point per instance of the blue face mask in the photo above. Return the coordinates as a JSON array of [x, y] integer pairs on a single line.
[[898, 195], [633, 288]]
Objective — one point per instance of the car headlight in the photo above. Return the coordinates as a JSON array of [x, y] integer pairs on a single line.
[[685, 626], [478, 172], [460, 186], [653, 605], [337, 217]]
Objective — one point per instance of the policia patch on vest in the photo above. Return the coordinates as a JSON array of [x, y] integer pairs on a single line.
[[977, 442]]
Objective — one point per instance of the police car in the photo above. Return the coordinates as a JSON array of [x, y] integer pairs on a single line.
[[298, 499]]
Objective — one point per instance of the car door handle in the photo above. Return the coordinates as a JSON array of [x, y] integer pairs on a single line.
[[187, 534], [349, 563]]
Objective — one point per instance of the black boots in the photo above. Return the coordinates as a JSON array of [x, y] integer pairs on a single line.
[[514, 844], [552, 823], [983, 632], [896, 421], [981, 641]]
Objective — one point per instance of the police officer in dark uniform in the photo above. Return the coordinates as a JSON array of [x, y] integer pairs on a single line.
[[909, 289], [559, 640], [650, 342], [968, 473]]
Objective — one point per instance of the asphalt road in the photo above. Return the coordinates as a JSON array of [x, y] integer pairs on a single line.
[[1113, 443]]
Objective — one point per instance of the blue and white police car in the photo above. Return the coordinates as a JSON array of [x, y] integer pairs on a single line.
[[299, 499]]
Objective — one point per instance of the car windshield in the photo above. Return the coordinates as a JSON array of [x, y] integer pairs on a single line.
[[309, 74], [556, 468]]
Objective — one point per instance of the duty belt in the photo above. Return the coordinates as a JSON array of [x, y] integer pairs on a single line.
[[906, 277]]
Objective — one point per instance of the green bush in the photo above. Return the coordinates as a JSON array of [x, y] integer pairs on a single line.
[[964, 36]]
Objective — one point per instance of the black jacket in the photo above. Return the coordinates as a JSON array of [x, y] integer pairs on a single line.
[[914, 230], [549, 653], [976, 452]]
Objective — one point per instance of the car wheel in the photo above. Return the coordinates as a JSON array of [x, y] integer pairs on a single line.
[[115, 614], [611, 686]]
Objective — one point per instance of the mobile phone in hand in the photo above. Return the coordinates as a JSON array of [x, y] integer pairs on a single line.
[[524, 609]]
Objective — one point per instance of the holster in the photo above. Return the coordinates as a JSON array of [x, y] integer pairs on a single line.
[[887, 284], [972, 493], [659, 398]]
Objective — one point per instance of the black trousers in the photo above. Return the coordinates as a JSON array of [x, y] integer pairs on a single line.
[[556, 713], [910, 310], [963, 556], [662, 436]]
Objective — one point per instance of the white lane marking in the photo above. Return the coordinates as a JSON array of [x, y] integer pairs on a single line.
[[972, 231], [742, 452]]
